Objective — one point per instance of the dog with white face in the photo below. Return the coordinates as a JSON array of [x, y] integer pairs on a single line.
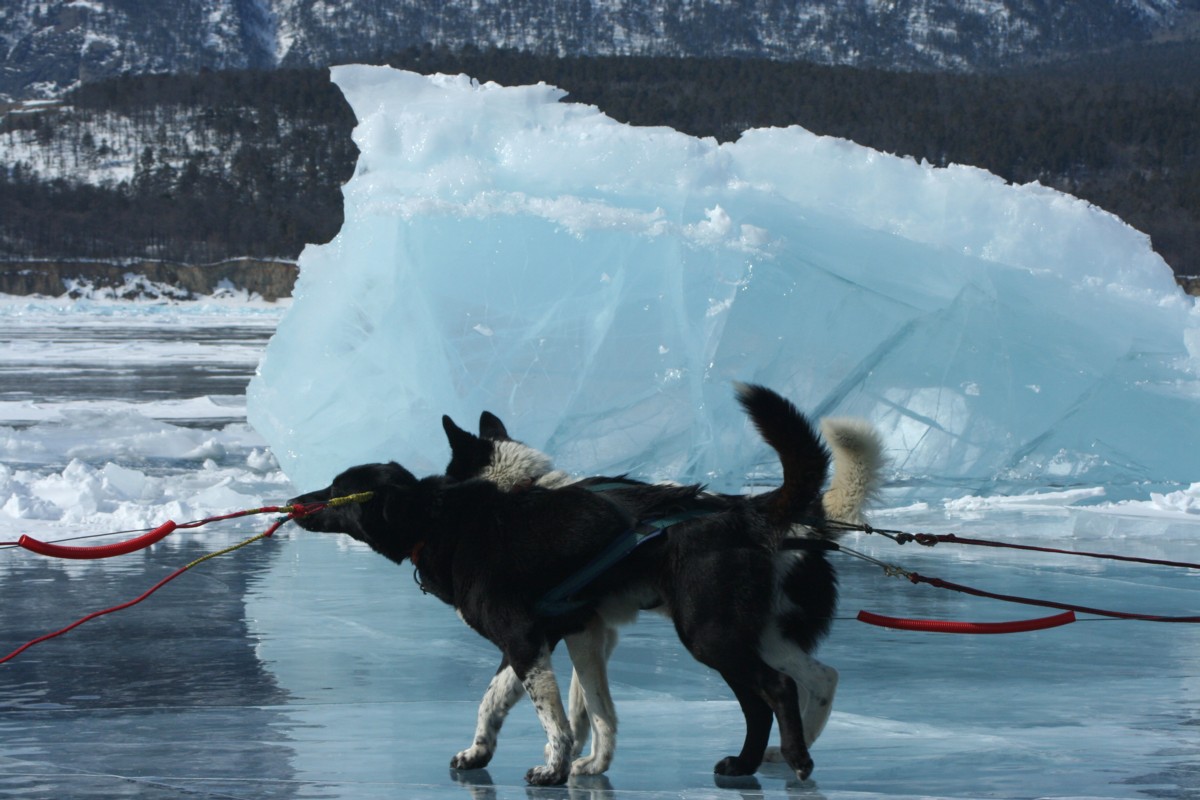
[[511, 465]]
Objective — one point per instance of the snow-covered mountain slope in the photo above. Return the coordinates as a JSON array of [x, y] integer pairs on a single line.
[[47, 46]]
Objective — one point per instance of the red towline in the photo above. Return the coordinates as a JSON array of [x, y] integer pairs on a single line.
[[951, 626], [101, 551], [145, 540]]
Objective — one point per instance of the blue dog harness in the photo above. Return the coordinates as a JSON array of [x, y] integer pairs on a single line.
[[559, 600]]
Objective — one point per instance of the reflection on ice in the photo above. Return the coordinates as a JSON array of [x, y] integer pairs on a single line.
[[143, 703], [307, 666]]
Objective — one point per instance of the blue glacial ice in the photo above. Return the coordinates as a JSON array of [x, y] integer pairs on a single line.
[[599, 285]]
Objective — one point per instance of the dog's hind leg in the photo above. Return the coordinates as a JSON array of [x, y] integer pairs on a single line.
[[821, 688], [816, 683], [502, 694], [761, 695], [780, 693], [577, 707], [589, 651], [758, 731], [577, 711], [542, 688]]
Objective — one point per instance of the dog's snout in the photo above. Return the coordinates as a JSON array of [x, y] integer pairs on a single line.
[[310, 497]]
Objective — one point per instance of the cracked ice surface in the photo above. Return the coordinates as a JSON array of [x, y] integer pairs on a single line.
[[599, 285]]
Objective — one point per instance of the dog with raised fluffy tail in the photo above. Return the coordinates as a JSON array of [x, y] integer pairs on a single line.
[[512, 465], [496, 556], [857, 468]]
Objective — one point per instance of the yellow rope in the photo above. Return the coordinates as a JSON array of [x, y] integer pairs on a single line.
[[361, 497], [202, 559]]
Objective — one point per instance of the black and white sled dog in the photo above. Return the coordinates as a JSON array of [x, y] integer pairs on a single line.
[[740, 602], [512, 465]]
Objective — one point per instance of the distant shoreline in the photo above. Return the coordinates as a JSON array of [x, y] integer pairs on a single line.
[[134, 278], [271, 279]]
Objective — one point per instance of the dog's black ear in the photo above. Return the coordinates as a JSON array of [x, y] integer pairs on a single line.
[[459, 439], [469, 455], [490, 427]]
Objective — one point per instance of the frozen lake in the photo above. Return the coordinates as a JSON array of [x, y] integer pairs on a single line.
[[305, 666]]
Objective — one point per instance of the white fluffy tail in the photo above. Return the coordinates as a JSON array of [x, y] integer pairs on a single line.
[[857, 466]]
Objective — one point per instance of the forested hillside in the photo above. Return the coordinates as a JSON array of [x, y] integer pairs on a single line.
[[190, 169], [205, 167]]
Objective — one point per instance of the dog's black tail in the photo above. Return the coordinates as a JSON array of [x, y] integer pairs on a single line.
[[804, 458]]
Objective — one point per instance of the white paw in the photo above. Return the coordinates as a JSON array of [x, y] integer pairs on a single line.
[[474, 757], [773, 755], [546, 776], [589, 765]]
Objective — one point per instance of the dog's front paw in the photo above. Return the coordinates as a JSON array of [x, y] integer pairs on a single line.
[[589, 765], [474, 757], [546, 776], [732, 766]]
